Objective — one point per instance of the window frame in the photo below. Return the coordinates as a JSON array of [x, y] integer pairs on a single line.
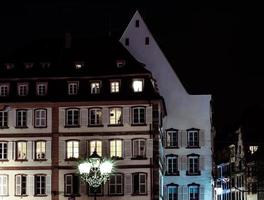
[[40, 118], [73, 88], [20, 121], [193, 167], [139, 121], [172, 141], [72, 157], [4, 89], [99, 119], [115, 156], [22, 89], [41, 176], [3, 119], [138, 192], [193, 186], [2, 176], [138, 155], [24, 148], [192, 140], [39, 90], [45, 150], [172, 172], [172, 186], [21, 185], [117, 121], [138, 90], [72, 124], [114, 89], [3, 154], [115, 184], [74, 178], [95, 90]]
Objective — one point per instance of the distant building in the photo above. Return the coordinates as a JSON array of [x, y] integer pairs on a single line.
[[58, 103], [186, 149]]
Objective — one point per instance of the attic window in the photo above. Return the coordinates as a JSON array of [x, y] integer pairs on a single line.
[[120, 63], [45, 65], [137, 23], [253, 149], [146, 40], [127, 41], [28, 65], [78, 65], [9, 66]]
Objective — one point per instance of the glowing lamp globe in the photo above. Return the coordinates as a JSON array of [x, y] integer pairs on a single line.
[[85, 167], [106, 167]]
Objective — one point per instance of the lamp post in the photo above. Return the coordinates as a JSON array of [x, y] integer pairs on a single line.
[[95, 170]]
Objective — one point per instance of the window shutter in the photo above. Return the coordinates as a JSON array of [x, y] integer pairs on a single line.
[[83, 148], [14, 150], [105, 118], [180, 192], [128, 184], [179, 139], [183, 163], [128, 148], [61, 117], [10, 151], [149, 150], [201, 137], [84, 117], [126, 115], [201, 192], [29, 118], [29, 150], [48, 184], [183, 138], [105, 148], [165, 192], [18, 185], [48, 150], [62, 150], [30, 183], [33, 150], [185, 192], [149, 115], [201, 162]]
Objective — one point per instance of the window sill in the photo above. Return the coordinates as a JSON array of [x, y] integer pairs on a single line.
[[22, 195], [4, 160], [137, 194], [71, 159], [40, 160], [40, 127], [172, 174], [95, 125], [116, 194], [72, 195], [21, 127], [113, 125], [139, 124], [21, 160], [117, 158], [4, 127], [193, 174], [193, 147], [139, 158], [72, 126], [40, 195], [171, 147]]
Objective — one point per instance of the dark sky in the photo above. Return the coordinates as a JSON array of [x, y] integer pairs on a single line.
[[214, 48]]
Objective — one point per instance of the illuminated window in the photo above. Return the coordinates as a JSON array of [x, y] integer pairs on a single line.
[[193, 138], [116, 184], [172, 165], [72, 117], [4, 89], [172, 138], [95, 116], [22, 89], [193, 165], [253, 149], [40, 150], [3, 119], [96, 145], [138, 115], [139, 148], [3, 150], [42, 89], [45, 65], [172, 190], [78, 65], [115, 86], [73, 88], [28, 65], [3, 185], [95, 87], [21, 118], [21, 150], [115, 117], [71, 184], [40, 118], [116, 148], [120, 63], [139, 183], [40, 184], [9, 66], [21, 184], [137, 85], [193, 192], [72, 149]]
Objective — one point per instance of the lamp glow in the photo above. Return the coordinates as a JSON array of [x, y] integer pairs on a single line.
[[85, 167], [106, 167]]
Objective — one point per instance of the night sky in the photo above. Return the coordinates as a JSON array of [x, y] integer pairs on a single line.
[[214, 49]]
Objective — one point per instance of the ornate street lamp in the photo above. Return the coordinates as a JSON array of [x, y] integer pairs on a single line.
[[95, 170]]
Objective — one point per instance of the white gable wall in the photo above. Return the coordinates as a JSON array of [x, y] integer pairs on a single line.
[[184, 111]]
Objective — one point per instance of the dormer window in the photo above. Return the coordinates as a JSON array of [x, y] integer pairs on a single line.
[[22, 89], [137, 85], [78, 65], [253, 149], [137, 23], [120, 63], [127, 41], [42, 88], [9, 66], [115, 86], [73, 88], [28, 65], [4, 89], [95, 87], [45, 65]]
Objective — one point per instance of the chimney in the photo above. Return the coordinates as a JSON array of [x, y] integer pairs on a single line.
[[68, 41]]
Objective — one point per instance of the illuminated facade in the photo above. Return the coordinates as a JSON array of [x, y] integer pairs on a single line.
[[58, 104], [186, 145]]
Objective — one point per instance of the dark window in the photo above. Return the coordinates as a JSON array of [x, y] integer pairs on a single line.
[[21, 118], [95, 116], [193, 192], [172, 192], [3, 119], [127, 41], [71, 184], [193, 138], [99, 190], [40, 184], [72, 117], [40, 118], [146, 40], [139, 183], [172, 165], [139, 148], [116, 184], [172, 138], [138, 115], [3, 150], [193, 165], [137, 23]]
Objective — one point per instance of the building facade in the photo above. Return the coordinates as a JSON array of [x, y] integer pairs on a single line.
[[60, 103], [186, 148]]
